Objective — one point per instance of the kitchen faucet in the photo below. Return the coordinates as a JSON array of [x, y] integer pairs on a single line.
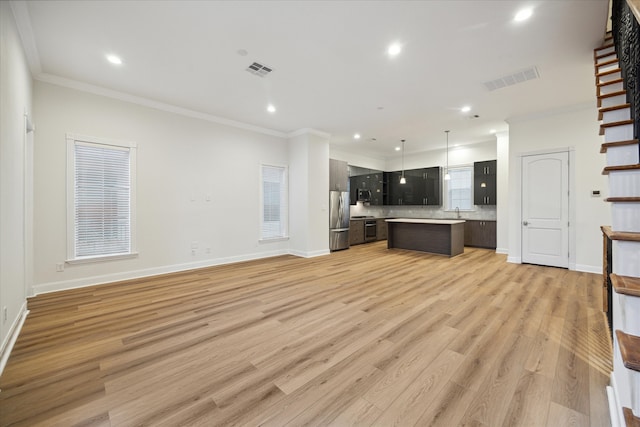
[[458, 212]]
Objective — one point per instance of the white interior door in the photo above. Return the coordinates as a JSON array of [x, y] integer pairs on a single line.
[[545, 209]]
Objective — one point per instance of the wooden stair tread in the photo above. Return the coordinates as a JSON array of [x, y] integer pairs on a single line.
[[620, 168], [609, 62], [620, 235], [626, 285], [610, 82], [630, 420], [612, 94], [604, 126], [629, 350], [603, 110], [605, 73], [597, 56], [603, 47], [623, 199]]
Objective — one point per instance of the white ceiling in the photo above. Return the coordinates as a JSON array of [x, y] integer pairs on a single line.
[[331, 71]]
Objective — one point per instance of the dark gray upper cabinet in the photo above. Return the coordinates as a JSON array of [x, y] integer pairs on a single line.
[[484, 183], [372, 181], [423, 187]]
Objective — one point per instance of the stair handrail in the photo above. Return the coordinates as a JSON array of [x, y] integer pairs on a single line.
[[625, 29]]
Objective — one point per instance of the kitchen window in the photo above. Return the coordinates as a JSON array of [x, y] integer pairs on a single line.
[[459, 188], [274, 202], [101, 199]]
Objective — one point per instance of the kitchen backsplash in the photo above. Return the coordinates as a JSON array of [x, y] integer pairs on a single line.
[[486, 213]]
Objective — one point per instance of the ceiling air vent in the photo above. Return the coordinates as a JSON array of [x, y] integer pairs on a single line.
[[259, 69], [512, 79]]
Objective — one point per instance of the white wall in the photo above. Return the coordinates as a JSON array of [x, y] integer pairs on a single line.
[[198, 181], [15, 163], [461, 155], [577, 128]]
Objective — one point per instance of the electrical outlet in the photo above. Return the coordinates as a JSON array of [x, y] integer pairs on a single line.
[[60, 267], [193, 251]]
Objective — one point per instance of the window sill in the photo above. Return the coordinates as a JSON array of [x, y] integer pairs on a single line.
[[103, 258], [274, 239]]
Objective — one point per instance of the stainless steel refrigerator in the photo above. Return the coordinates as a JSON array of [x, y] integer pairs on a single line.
[[338, 220]]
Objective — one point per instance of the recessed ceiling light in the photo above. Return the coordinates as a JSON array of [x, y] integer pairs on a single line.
[[356, 136], [271, 108], [394, 49], [465, 109], [114, 59], [523, 15], [492, 131], [397, 148]]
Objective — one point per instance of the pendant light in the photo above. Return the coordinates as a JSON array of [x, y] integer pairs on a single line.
[[402, 179], [447, 177]]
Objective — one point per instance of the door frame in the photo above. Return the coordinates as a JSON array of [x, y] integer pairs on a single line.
[[515, 205]]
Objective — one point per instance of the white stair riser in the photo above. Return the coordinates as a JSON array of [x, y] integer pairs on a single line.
[[624, 184], [605, 68], [609, 49], [626, 258], [624, 217], [613, 87], [618, 133], [623, 155], [629, 310], [613, 101], [616, 115], [609, 77], [627, 382], [612, 55]]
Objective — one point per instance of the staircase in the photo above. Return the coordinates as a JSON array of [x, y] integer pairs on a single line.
[[616, 91]]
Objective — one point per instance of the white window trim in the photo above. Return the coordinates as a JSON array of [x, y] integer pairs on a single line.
[[72, 138], [261, 205], [446, 190]]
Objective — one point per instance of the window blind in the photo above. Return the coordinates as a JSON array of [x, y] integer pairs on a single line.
[[102, 200], [274, 202], [459, 188]]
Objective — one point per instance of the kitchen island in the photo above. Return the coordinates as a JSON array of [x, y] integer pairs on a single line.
[[438, 236]]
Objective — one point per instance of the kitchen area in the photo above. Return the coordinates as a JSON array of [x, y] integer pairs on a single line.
[[383, 208]]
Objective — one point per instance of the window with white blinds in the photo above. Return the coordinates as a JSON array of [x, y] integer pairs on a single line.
[[460, 188], [275, 202], [101, 221]]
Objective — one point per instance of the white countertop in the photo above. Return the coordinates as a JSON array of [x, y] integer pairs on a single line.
[[427, 221]]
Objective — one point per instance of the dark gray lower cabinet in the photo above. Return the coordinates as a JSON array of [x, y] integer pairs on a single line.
[[381, 229], [480, 234], [356, 232]]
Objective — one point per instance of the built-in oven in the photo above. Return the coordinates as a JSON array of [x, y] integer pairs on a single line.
[[370, 229]]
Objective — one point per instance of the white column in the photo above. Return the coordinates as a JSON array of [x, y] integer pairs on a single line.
[[309, 193]]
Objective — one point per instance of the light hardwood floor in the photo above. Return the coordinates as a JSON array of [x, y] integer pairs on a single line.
[[364, 337]]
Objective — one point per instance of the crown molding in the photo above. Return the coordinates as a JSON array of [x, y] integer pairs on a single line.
[[122, 96], [308, 131]]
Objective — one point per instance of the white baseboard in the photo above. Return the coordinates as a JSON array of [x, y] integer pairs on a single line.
[[589, 268], [310, 254], [503, 251], [12, 336], [514, 259], [136, 274]]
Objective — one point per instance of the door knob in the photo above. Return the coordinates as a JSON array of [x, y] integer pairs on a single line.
[[525, 223]]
